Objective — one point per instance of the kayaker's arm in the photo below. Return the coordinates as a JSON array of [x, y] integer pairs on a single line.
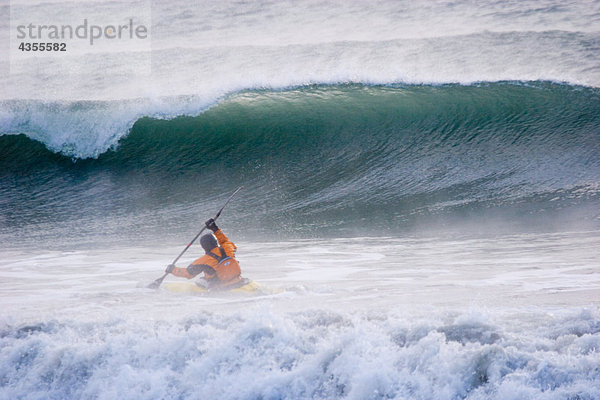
[[191, 271], [225, 243]]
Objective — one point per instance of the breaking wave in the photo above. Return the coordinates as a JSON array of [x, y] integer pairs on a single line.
[[313, 157]]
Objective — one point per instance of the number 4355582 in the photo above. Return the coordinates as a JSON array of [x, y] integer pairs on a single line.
[[26, 46]]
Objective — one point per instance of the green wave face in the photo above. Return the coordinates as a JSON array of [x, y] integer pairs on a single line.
[[335, 160]]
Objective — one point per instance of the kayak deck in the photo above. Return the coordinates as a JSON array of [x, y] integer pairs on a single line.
[[250, 287]]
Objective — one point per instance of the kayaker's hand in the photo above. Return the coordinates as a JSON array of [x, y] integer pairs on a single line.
[[170, 268], [211, 224]]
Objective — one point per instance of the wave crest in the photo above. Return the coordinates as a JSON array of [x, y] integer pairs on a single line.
[[340, 154]]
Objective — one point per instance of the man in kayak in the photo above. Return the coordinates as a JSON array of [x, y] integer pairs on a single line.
[[221, 269]]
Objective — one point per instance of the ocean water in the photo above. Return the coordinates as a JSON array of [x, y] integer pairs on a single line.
[[421, 202]]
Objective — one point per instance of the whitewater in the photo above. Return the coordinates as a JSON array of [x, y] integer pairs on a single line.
[[421, 202], [509, 318]]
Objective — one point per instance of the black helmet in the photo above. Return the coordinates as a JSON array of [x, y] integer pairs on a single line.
[[208, 242]]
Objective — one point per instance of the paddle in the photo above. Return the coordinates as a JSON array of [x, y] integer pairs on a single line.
[[156, 283]]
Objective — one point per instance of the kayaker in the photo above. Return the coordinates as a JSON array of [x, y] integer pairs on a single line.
[[221, 269]]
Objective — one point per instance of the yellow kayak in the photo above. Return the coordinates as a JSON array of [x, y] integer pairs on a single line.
[[247, 287]]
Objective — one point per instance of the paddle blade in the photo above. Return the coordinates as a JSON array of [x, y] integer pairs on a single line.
[[156, 283]]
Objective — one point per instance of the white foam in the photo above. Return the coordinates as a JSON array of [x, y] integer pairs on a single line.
[[259, 352], [420, 318]]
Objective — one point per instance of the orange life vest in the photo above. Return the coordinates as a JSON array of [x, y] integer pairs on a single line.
[[227, 268]]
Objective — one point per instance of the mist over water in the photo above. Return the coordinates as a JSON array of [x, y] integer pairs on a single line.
[[421, 202]]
